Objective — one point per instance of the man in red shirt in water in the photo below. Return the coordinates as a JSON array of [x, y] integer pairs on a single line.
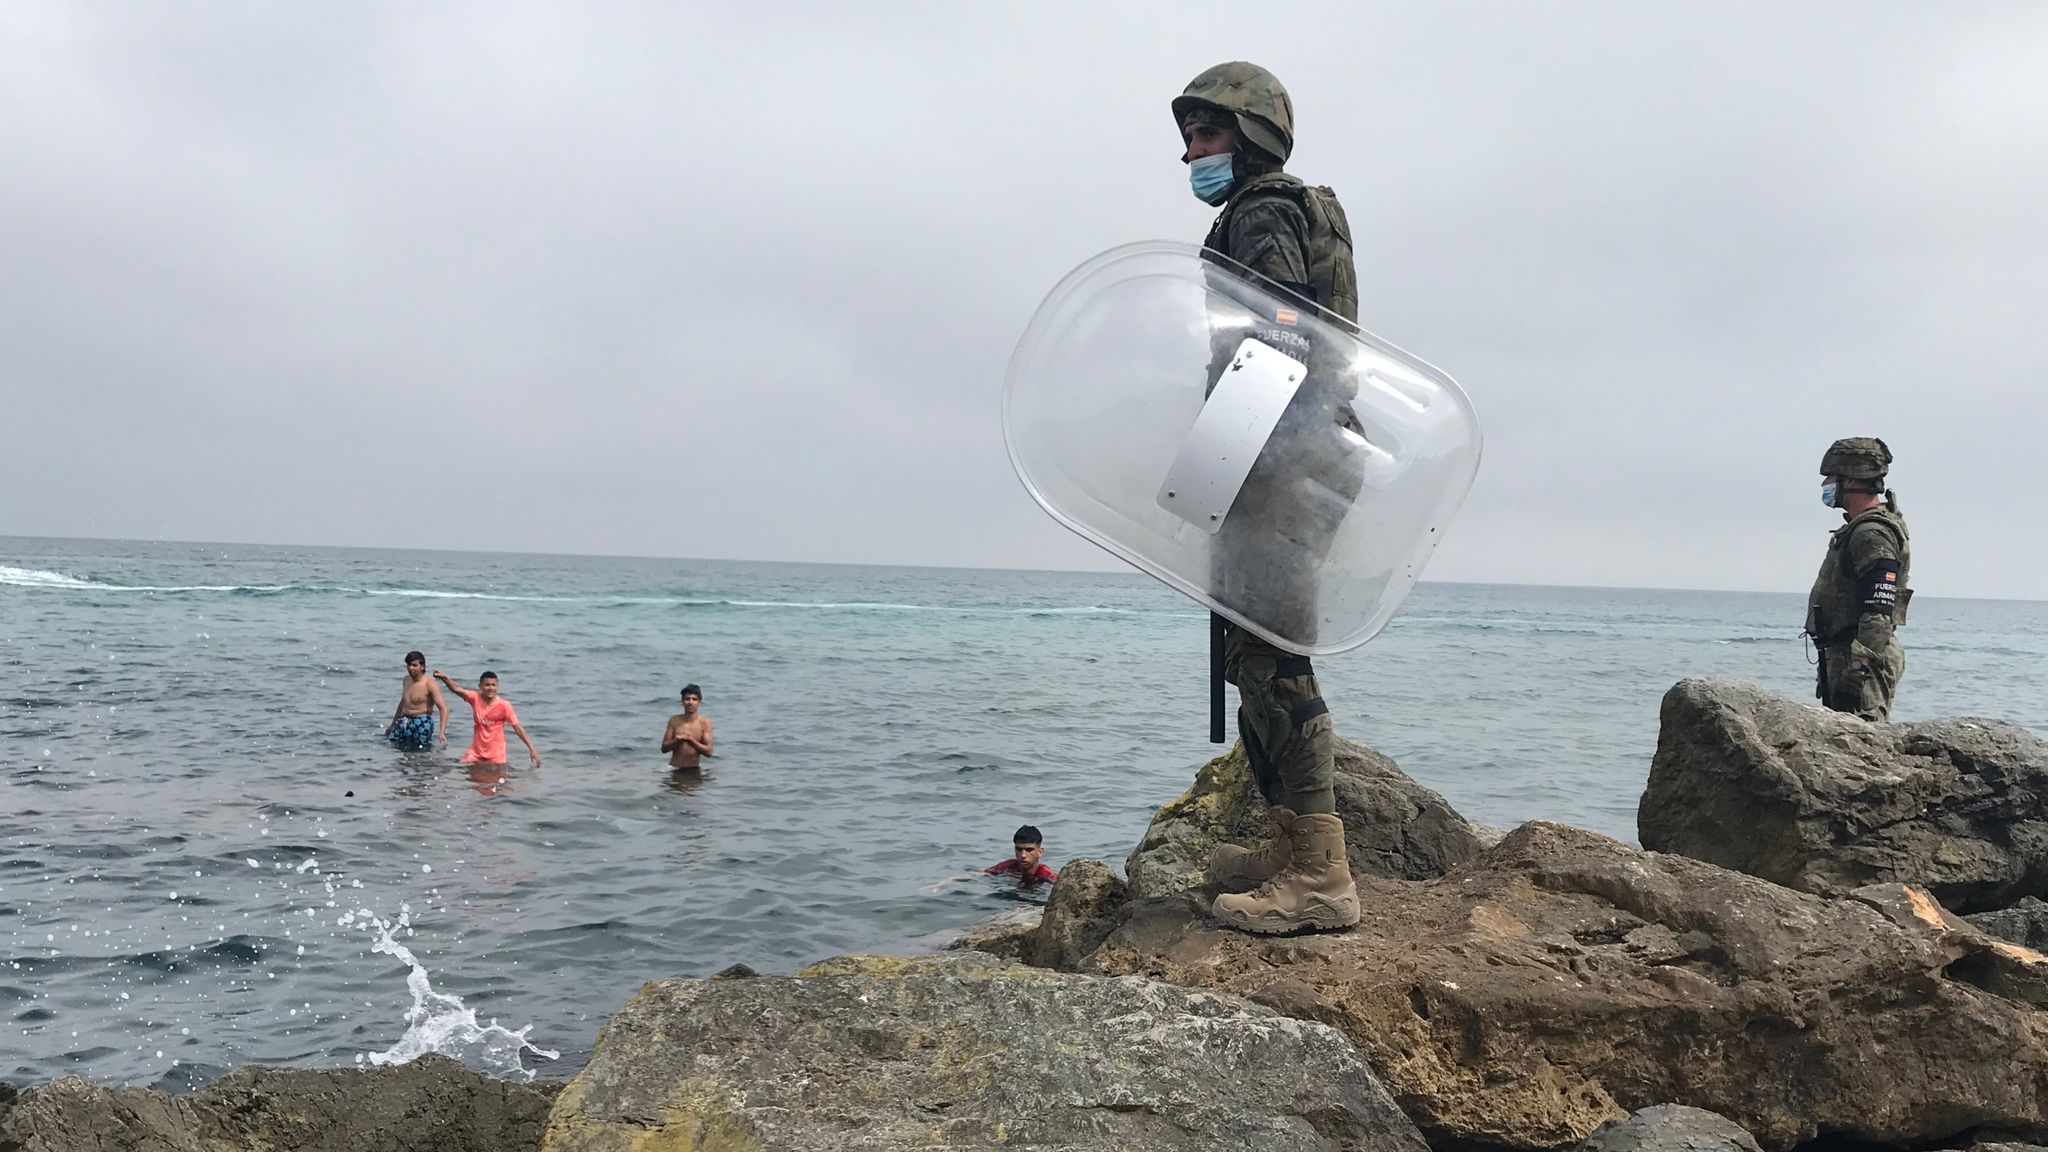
[[1026, 864], [493, 712]]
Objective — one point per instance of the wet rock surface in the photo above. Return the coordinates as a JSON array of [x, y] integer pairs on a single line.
[[1827, 803], [1393, 826], [1563, 979], [433, 1104], [962, 1051]]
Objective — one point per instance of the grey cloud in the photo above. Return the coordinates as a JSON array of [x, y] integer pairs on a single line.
[[699, 281]]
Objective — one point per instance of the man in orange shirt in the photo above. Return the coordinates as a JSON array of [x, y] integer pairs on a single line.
[[493, 712]]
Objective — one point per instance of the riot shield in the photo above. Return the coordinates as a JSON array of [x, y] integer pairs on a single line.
[[1255, 452]]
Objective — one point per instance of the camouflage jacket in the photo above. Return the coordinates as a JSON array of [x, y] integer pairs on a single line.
[[1859, 593], [1294, 235], [1267, 226]]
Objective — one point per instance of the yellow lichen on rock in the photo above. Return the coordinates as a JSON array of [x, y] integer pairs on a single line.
[[698, 1118], [963, 1052]]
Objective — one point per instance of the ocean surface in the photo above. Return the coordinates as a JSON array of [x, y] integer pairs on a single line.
[[208, 857]]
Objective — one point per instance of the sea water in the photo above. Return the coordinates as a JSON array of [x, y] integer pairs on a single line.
[[208, 856]]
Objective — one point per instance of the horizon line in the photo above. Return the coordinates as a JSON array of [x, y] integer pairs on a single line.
[[1125, 569]]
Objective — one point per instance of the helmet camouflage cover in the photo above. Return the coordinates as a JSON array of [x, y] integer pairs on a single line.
[[1253, 96], [1856, 458]]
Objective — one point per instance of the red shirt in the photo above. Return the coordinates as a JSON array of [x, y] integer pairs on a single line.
[[1014, 867]]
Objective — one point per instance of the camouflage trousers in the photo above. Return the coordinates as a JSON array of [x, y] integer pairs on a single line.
[[1869, 695], [1283, 722]]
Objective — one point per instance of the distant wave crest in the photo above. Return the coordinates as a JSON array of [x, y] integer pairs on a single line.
[[58, 581], [39, 578]]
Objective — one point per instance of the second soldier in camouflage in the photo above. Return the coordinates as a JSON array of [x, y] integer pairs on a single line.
[[1860, 596]]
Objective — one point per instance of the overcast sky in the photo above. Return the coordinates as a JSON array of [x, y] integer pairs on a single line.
[[742, 280]]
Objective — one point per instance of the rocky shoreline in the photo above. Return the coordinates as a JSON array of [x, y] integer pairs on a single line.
[[1828, 942]]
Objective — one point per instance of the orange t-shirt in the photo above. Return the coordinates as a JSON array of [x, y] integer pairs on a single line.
[[487, 742]]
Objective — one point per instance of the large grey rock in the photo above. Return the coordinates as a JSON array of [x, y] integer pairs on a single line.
[[1086, 904], [2024, 923], [1827, 803], [1564, 979], [1671, 1128], [963, 1052], [1393, 827], [433, 1104]]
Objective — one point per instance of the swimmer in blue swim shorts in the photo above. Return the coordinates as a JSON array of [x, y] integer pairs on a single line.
[[412, 727]]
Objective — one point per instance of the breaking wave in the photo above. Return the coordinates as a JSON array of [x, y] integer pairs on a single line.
[[37, 578]]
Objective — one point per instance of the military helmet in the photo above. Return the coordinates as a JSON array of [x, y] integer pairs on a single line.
[[1856, 458], [1254, 96]]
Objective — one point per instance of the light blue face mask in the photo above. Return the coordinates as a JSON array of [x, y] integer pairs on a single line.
[[1211, 178], [1827, 495]]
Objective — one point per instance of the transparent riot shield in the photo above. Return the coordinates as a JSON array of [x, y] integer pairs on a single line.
[[1255, 452]]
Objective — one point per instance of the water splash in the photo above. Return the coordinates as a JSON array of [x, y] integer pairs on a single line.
[[439, 1022]]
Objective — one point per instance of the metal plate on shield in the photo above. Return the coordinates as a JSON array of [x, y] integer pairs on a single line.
[[1229, 433]]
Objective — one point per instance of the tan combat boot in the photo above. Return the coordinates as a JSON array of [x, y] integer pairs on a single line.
[[1315, 890], [1236, 869]]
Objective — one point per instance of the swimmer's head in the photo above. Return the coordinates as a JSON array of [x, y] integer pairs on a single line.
[[415, 662], [692, 697], [487, 686], [1029, 846]]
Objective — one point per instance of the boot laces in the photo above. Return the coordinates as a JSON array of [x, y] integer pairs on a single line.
[[1272, 885]]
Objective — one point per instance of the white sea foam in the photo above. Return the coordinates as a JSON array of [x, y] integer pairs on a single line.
[[442, 594], [43, 579], [39, 578]]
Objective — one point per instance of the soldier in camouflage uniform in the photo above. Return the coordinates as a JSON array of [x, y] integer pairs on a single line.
[[1238, 126], [1860, 595]]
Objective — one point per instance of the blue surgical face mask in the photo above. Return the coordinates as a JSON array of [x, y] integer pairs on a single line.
[[1211, 178], [1827, 494]]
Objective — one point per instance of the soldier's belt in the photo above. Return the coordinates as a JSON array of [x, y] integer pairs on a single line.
[[1290, 666]]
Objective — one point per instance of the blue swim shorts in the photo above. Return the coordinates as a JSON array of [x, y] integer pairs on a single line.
[[413, 733]]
